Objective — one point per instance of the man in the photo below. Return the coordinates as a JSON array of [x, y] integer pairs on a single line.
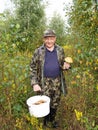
[[47, 67]]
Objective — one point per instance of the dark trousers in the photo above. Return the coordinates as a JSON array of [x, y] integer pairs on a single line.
[[50, 117]]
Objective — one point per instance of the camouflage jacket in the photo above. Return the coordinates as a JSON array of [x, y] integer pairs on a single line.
[[37, 66]]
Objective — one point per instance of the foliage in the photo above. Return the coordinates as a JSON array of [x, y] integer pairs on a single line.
[[81, 104], [85, 15], [79, 109], [58, 24], [25, 26], [15, 89]]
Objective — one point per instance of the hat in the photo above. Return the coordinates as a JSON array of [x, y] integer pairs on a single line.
[[49, 33]]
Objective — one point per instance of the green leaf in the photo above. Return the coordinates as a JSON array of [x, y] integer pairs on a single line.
[[17, 26], [17, 107]]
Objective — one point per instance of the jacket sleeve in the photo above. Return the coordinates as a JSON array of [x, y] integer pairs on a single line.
[[34, 68]]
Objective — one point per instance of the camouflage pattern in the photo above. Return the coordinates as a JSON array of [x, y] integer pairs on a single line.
[[52, 89], [49, 86]]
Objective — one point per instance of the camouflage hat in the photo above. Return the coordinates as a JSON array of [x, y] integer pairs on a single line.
[[49, 33]]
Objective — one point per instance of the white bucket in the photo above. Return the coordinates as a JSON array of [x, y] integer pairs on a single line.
[[39, 110]]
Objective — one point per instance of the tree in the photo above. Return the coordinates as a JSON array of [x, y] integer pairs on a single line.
[[27, 24], [83, 20], [57, 23]]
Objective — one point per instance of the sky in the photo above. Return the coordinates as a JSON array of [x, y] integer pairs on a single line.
[[56, 6], [4, 4], [53, 6]]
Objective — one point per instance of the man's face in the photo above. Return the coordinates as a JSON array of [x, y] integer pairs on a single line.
[[49, 41]]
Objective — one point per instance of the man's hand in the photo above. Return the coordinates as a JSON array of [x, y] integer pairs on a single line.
[[36, 88], [66, 66]]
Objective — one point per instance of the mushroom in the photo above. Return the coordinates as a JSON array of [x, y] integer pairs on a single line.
[[68, 60], [39, 102]]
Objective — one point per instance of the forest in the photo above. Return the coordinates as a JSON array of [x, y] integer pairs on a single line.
[[21, 31]]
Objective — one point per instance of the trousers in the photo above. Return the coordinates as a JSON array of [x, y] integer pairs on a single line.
[[50, 117]]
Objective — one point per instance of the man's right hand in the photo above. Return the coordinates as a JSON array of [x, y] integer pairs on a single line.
[[36, 88]]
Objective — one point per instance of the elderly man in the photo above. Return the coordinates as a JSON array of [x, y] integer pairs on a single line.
[[47, 67]]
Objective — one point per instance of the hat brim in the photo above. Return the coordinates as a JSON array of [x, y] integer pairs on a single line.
[[49, 36]]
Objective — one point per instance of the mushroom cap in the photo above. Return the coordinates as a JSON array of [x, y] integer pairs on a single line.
[[68, 60]]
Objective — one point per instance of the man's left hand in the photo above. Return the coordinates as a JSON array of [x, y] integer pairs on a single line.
[[66, 66]]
